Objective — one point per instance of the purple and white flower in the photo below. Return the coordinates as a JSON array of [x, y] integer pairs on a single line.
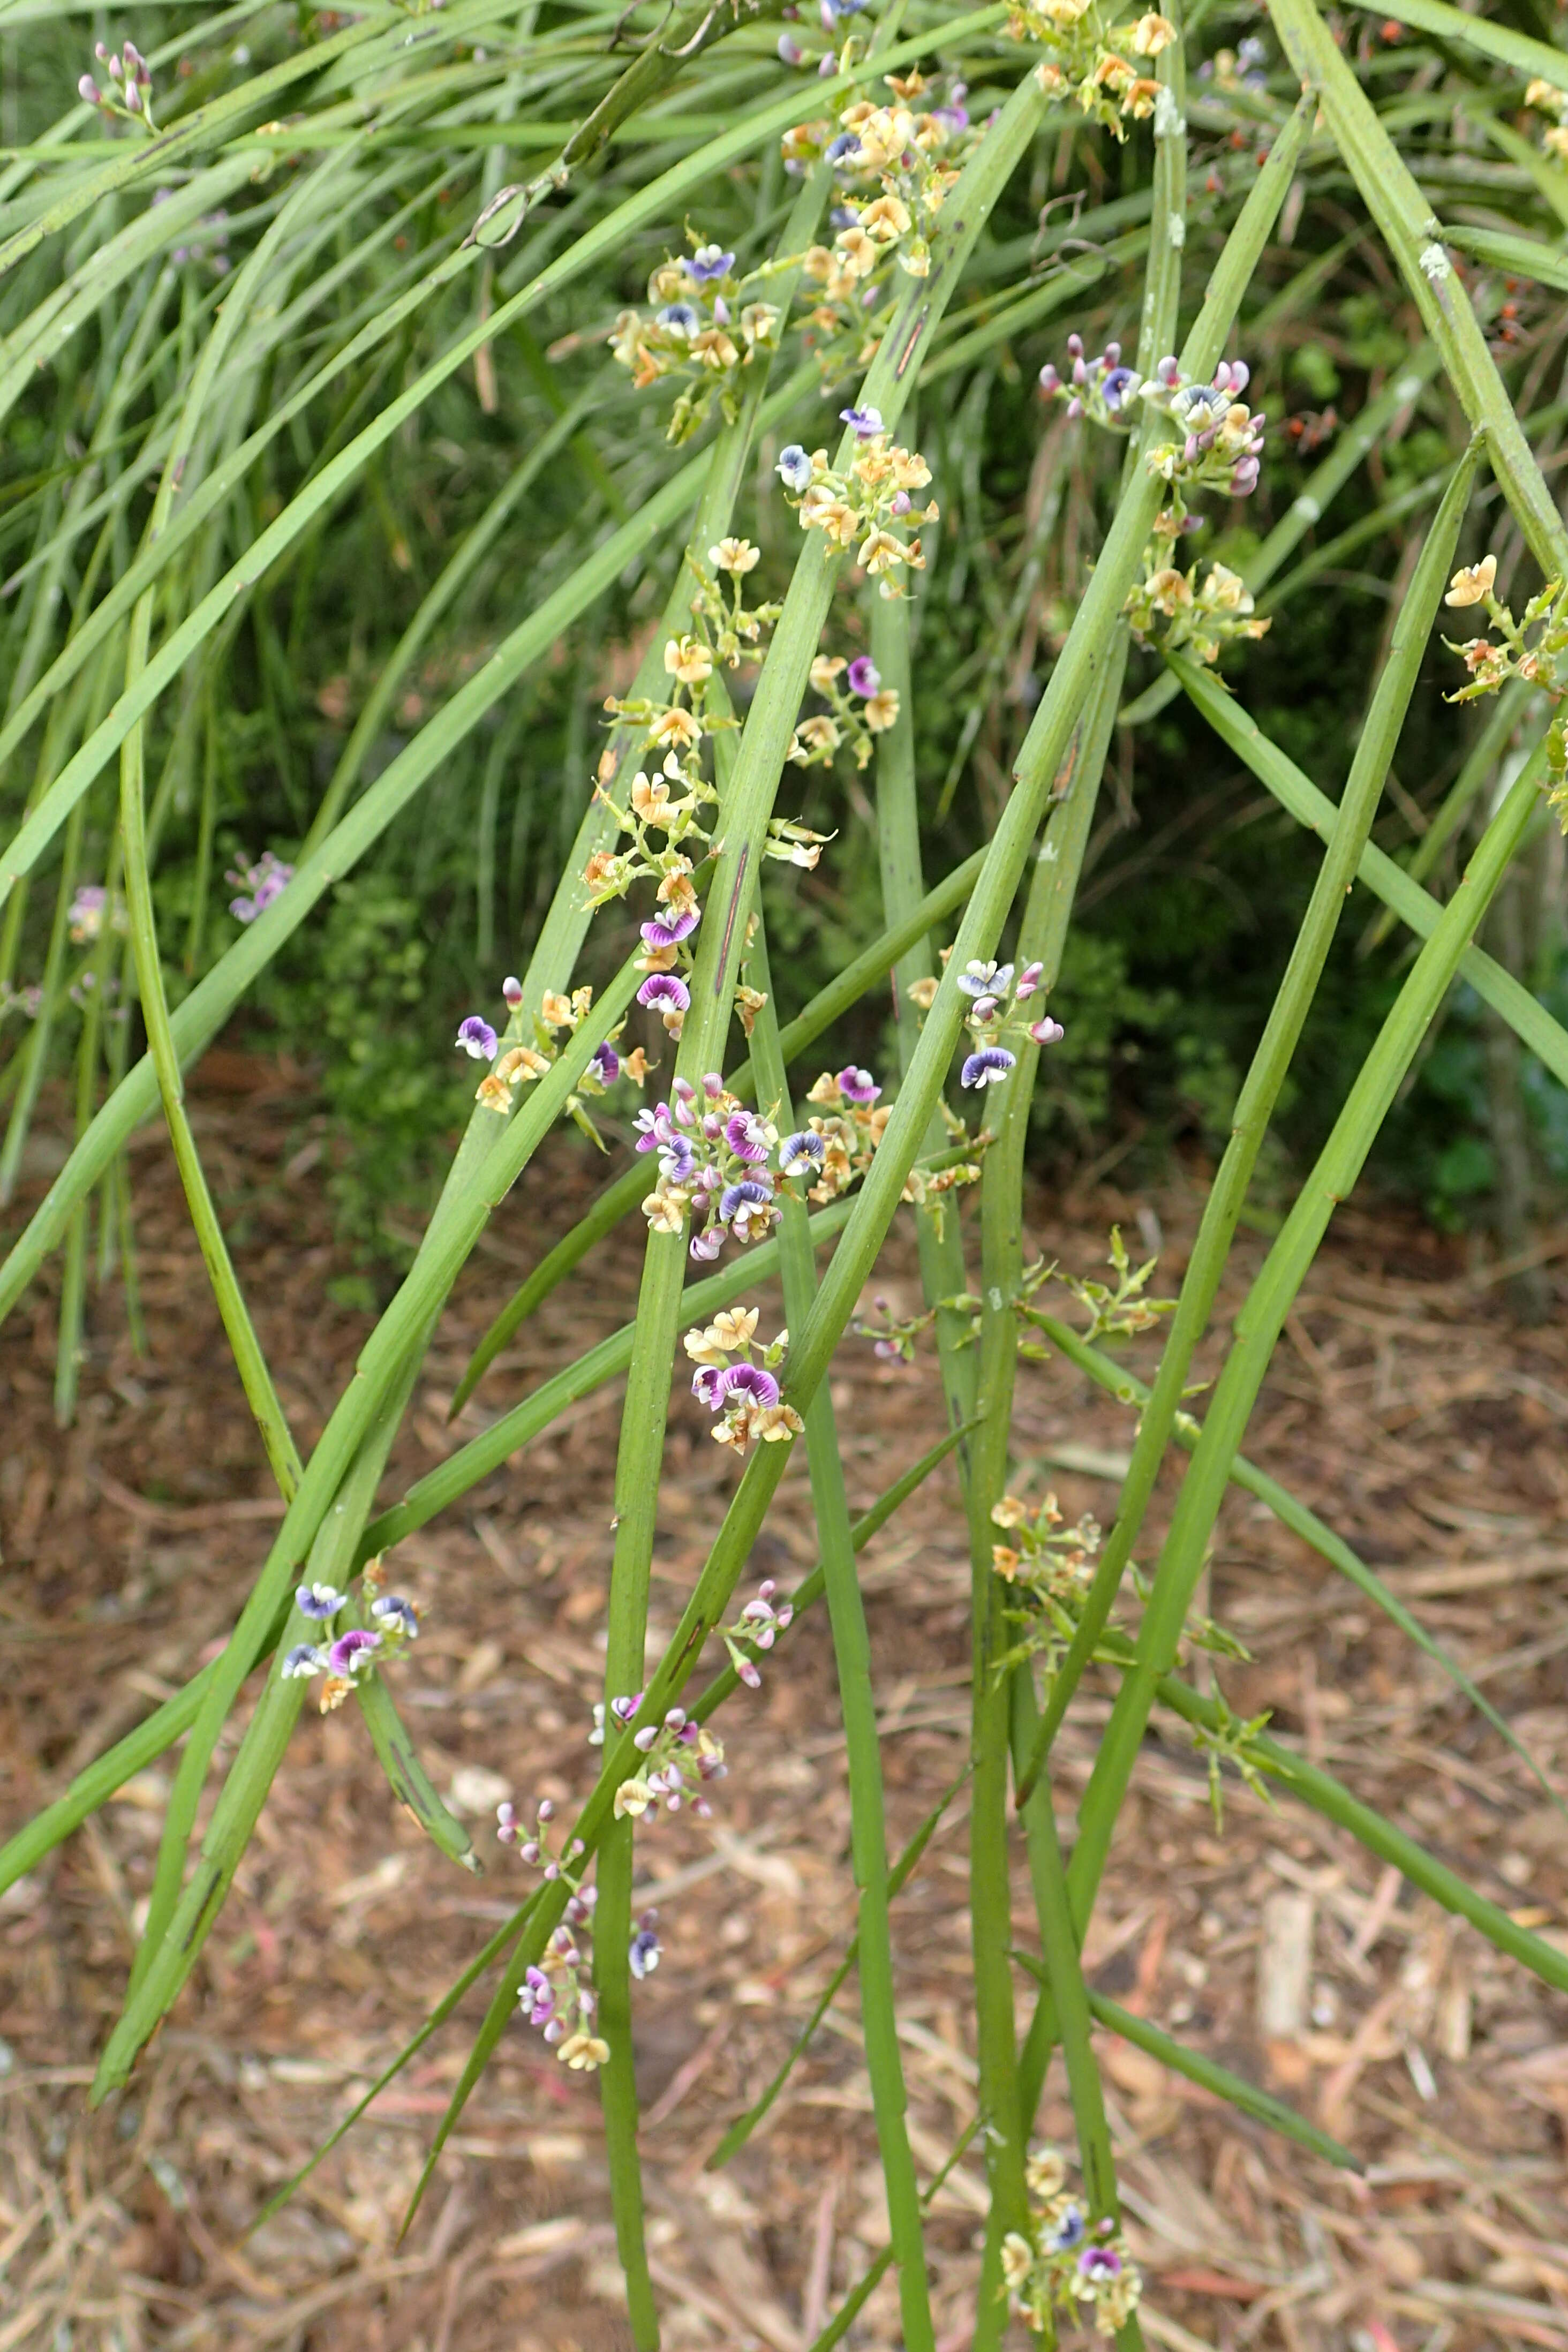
[[352, 1649], [1047, 1032], [805, 1145], [857, 1085], [794, 468], [988, 1066], [669, 930], [752, 1382], [645, 1949], [709, 261], [475, 1038], [864, 422], [667, 992], [863, 676], [303, 1661], [395, 1615], [682, 318], [319, 1600], [747, 1137], [604, 1063]]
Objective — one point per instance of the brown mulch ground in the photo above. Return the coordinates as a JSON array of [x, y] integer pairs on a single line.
[[1402, 1405]]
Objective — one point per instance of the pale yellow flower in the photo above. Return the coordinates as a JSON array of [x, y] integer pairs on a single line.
[[882, 709], [688, 660], [826, 669], [632, 1798], [1152, 33], [736, 556], [880, 550], [583, 2051], [1472, 584], [922, 992]]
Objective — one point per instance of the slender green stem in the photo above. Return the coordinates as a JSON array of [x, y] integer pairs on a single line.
[[1259, 1093], [857, 1708]]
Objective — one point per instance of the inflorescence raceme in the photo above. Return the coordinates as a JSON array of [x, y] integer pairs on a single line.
[[1105, 74], [1064, 2263], [1219, 449], [126, 95], [701, 329], [1534, 649], [739, 1383], [345, 1652]]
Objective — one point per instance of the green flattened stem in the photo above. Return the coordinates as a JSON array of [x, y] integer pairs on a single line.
[[939, 1232], [1524, 1014], [484, 1171], [741, 2130], [1294, 1515], [1414, 238], [1259, 1093], [1234, 2089], [858, 1707], [1262, 1317], [530, 1928]]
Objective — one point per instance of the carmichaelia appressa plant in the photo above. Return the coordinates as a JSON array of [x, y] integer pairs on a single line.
[[865, 503], [1065, 2264], [701, 329], [1094, 68], [346, 1654], [520, 1066], [1534, 649], [738, 1381], [128, 93], [1219, 448], [894, 165]]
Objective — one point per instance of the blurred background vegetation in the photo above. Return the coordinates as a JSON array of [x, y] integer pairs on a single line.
[[492, 491]]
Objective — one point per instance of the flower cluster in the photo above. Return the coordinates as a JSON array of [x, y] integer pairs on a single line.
[[1219, 448], [1113, 1312], [1104, 73], [859, 708], [1185, 615], [741, 1392], [1064, 2261], [519, 1064], [1534, 648], [92, 910], [346, 1654], [759, 1625], [1221, 441], [556, 1995], [865, 503], [844, 1131], [128, 93], [1238, 69], [722, 1163], [258, 886], [1044, 1558], [701, 329], [995, 1002], [894, 165], [536, 1849], [678, 1756], [1544, 98]]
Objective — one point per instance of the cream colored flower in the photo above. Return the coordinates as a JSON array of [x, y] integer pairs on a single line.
[[880, 550], [886, 218], [882, 709], [493, 1093], [1018, 2261], [1472, 584], [583, 2051], [1152, 33], [825, 669], [1009, 1512], [857, 252], [688, 660], [632, 1798], [676, 728], [666, 1212], [736, 556], [922, 992]]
